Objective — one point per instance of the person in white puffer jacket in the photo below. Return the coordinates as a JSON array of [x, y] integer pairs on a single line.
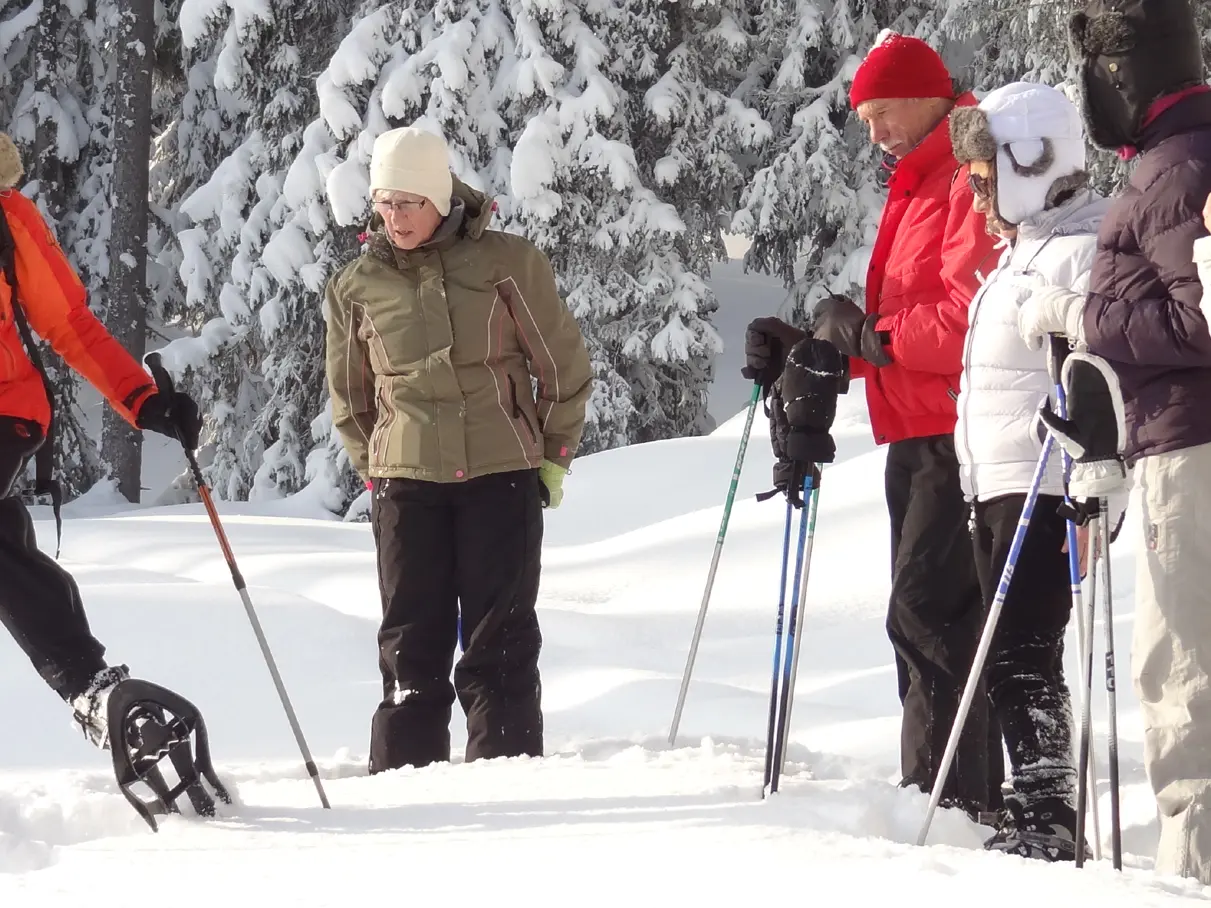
[[1026, 150]]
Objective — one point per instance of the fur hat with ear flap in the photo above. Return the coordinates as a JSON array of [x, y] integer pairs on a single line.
[[11, 168], [1034, 134], [1131, 54]]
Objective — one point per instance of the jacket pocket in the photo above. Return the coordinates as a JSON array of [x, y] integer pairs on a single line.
[[519, 413], [19, 440]]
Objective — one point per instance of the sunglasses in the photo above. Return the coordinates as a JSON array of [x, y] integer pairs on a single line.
[[980, 185]]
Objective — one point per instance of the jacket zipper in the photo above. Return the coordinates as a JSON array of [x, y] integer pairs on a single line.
[[519, 413], [967, 344], [376, 437]]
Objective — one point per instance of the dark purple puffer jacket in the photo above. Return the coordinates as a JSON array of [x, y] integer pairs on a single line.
[[1143, 310]]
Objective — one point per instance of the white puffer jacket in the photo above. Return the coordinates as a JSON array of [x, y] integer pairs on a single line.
[[998, 437]]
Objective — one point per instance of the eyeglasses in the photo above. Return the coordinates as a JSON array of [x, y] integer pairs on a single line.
[[980, 185], [399, 206]]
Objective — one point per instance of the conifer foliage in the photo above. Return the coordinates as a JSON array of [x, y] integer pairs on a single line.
[[623, 137]]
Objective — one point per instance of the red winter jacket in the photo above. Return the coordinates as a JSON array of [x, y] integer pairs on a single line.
[[56, 305], [921, 278]]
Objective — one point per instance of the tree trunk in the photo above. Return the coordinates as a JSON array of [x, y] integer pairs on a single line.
[[121, 446]]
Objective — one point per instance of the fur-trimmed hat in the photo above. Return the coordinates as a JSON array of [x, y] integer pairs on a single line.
[[11, 168], [1131, 54], [1033, 133]]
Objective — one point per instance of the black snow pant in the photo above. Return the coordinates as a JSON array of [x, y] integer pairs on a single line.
[[934, 620], [40, 604], [445, 549], [1025, 672]]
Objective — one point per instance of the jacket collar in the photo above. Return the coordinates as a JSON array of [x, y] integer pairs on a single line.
[[930, 153], [1080, 211], [1190, 113]]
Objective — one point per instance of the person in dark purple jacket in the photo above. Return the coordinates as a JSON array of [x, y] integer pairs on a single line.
[[1144, 95]]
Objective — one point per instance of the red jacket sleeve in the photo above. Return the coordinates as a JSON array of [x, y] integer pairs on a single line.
[[56, 304], [928, 337]]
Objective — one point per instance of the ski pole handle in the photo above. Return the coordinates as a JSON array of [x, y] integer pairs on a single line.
[[163, 380], [1056, 354]]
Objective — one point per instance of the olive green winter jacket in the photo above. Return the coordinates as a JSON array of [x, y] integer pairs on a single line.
[[431, 351]]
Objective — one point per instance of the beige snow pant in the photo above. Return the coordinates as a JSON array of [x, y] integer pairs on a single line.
[[1171, 653]]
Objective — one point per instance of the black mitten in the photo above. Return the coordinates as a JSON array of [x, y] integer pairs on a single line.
[[815, 374], [1095, 432], [803, 407]]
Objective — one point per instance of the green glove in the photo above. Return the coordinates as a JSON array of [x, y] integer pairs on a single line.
[[551, 476]]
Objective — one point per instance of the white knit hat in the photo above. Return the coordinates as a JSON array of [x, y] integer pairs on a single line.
[[1037, 137], [409, 159]]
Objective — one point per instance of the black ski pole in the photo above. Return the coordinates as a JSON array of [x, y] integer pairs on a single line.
[[164, 384], [1085, 745], [1116, 826]]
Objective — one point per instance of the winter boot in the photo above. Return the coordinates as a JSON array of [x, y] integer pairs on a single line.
[[1044, 830], [90, 705]]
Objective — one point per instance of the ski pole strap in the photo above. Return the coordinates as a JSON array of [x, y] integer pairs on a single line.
[[44, 460]]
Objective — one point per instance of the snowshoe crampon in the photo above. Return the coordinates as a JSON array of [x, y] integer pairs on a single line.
[[148, 724]]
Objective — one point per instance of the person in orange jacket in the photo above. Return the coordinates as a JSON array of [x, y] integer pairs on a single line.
[[40, 603]]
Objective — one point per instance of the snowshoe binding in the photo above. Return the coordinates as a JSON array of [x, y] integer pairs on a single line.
[[148, 723]]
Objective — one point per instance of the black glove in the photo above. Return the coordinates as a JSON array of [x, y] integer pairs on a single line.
[[766, 343], [174, 415], [1094, 433], [839, 321]]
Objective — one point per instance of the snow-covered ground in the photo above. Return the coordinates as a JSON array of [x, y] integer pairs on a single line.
[[612, 815]]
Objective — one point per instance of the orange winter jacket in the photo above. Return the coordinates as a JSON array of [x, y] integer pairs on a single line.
[[56, 305]]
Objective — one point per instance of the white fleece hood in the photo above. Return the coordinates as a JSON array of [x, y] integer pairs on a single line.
[[1037, 138]]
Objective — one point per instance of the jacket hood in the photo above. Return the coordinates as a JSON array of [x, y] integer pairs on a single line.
[[1034, 134], [11, 167]]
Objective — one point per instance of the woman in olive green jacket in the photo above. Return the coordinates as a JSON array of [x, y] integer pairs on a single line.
[[437, 335]]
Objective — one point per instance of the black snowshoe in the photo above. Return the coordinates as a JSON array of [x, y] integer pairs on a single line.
[[148, 723], [1043, 830]]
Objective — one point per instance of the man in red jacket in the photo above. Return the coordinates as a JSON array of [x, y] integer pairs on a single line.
[[40, 603], [908, 345]]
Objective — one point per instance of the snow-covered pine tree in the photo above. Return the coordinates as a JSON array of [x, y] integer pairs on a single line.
[[259, 245], [60, 92], [625, 159], [813, 203], [690, 129], [558, 98]]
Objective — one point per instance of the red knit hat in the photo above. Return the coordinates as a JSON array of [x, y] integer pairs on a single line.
[[899, 66]]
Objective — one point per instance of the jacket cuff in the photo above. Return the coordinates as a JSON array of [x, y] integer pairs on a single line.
[[876, 341], [558, 453], [1202, 250]]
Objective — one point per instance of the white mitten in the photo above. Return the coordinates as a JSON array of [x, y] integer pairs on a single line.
[[1052, 310]]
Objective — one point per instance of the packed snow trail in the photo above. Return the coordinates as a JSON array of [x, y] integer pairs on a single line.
[[612, 812]]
